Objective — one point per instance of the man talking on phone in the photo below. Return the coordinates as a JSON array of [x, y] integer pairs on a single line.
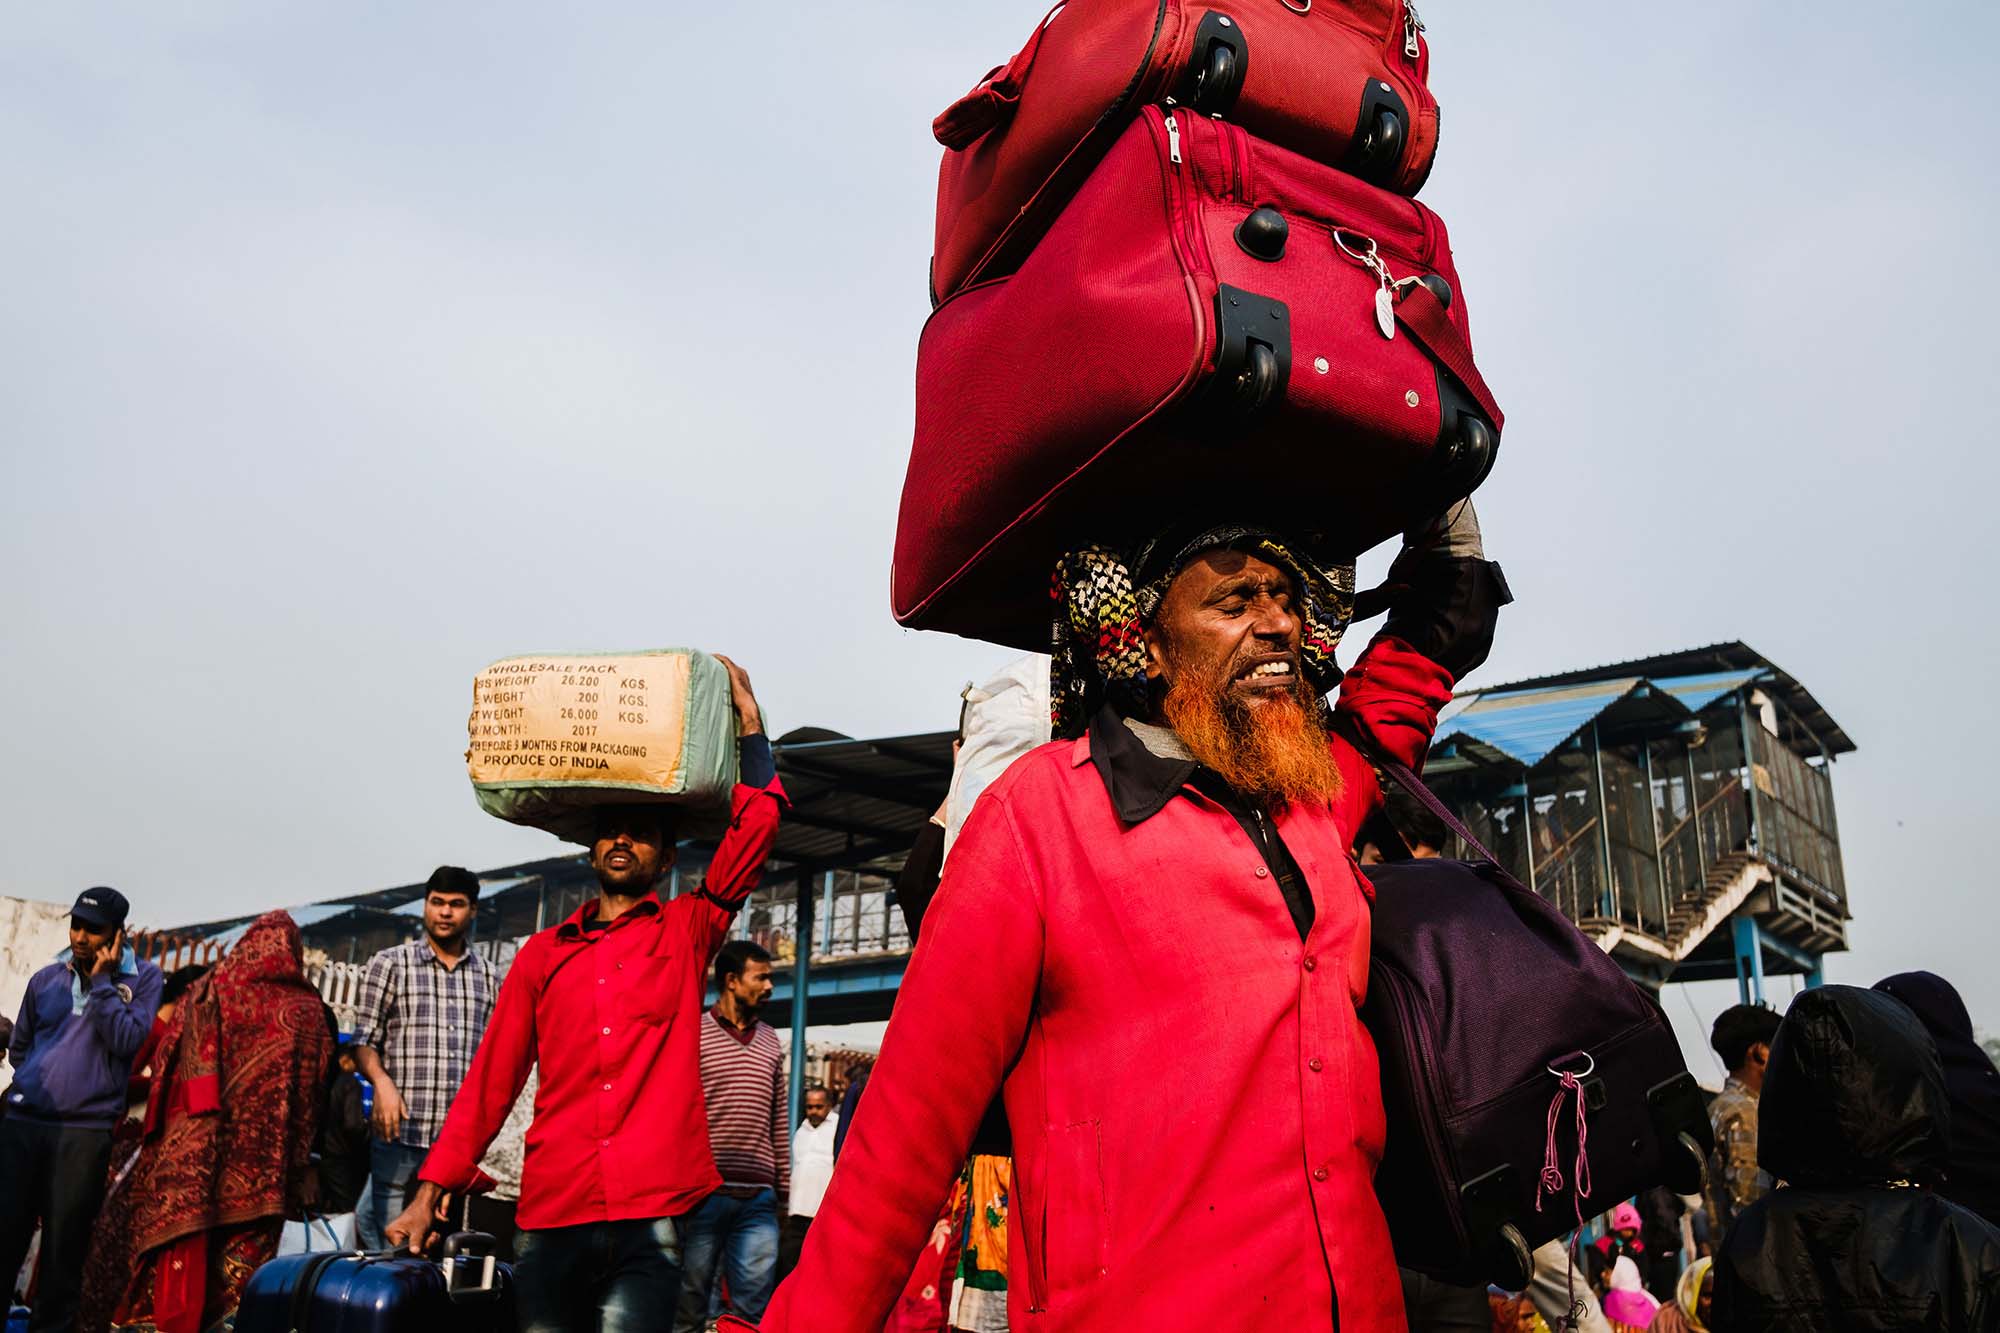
[[82, 1021]]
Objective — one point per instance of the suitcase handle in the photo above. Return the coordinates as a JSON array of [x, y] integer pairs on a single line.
[[992, 103], [299, 1315], [471, 1250]]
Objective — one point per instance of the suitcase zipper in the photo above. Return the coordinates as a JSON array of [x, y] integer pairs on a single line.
[[1186, 188], [1186, 229], [1239, 142], [1412, 25], [1426, 1106]]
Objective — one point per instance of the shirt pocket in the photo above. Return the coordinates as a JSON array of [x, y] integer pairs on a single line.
[[652, 989], [1076, 1221]]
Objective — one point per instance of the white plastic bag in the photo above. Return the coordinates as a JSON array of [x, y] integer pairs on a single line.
[[1005, 718]]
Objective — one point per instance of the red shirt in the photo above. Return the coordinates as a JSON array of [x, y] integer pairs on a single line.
[[614, 1023], [1196, 1107]]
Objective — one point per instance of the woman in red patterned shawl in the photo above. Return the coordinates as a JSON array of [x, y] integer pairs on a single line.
[[237, 1089]]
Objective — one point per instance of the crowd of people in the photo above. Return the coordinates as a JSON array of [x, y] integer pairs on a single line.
[[1181, 870]]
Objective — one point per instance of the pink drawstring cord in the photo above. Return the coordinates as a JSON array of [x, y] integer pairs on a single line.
[[1551, 1181]]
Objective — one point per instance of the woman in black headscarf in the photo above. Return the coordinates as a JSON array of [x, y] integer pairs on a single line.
[[1972, 1175]]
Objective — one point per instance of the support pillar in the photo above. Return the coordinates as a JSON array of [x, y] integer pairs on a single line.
[[1653, 804], [1694, 815], [801, 980], [1528, 835], [1816, 977], [1608, 884], [1752, 738], [1749, 960]]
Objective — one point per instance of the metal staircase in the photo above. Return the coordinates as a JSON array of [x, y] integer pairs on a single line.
[[1692, 917]]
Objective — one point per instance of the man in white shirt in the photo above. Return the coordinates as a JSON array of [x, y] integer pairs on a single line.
[[812, 1170]]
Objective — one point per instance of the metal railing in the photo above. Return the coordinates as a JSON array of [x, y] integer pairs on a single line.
[[1712, 830], [1722, 823], [1572, 874], [1795, 826], [854, 915], [170, 952], [339, 984], [1635, 889]]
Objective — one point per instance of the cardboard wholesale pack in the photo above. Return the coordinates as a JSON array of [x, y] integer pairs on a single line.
[[553, 737]]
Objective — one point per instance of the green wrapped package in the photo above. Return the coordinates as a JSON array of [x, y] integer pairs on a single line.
[[554, 737]]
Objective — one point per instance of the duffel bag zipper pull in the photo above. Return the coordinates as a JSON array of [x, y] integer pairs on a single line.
[[1412, 25], [1173, 140], [1385, 300]]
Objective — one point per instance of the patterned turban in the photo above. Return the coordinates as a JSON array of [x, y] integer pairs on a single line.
[[1105, 596]]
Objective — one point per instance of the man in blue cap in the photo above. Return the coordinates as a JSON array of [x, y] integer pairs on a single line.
[[84, 1018]]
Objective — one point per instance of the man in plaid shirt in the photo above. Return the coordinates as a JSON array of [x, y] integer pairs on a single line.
[[423, 1008]]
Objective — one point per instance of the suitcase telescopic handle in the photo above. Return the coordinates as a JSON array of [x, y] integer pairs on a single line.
[[469, 1252], [468, 1242]]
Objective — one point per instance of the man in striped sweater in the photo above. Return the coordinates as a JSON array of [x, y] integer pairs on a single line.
[[735, 1230]]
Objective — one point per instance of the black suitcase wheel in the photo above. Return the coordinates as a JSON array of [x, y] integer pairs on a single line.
[[1219, 60], [1381, 135], [1382, 144], [1215, 81], [1253, 357], [1686, 1166], [1469, 451], [1257, 383], [1516, 1260]]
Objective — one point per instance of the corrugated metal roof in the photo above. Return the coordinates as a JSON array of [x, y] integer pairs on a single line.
[[311, 914], [1528, 725], [855, 801], [1530, 721], [1815, 728], [1698, 692]]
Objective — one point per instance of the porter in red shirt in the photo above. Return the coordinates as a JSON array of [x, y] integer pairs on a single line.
[[613, 1018]]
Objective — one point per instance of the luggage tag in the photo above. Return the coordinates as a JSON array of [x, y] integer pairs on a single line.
[[1385, 298]]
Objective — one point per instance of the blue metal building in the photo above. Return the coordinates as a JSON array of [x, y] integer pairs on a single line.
[[1680, 808]]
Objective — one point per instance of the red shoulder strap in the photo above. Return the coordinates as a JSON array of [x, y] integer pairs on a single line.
[[1419, 311]]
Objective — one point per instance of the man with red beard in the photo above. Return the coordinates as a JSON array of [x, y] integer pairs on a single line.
[[1165, 899]]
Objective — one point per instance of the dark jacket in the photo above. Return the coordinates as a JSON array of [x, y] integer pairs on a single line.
[[1854, 1121], [1660, 1212], [73, 1043], [343, 1153], [1972, 1173]]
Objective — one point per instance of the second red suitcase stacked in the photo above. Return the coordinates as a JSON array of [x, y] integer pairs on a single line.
[[1212, 322], [1341, 81]]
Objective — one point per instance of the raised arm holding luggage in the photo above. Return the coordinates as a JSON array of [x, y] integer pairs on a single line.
[[607, 1005], [1178, 859]]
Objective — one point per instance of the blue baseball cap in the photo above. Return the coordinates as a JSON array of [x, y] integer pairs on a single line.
[[104, 908]]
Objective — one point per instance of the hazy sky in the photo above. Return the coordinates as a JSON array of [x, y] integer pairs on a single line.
[[346, 348]]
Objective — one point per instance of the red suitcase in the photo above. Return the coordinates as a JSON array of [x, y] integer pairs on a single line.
[[1342, 81], [1213, 322]]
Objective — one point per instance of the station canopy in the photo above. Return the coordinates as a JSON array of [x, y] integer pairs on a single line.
[[1525, 721]]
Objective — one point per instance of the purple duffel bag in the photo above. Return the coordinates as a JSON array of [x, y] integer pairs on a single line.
[[1529, 1083]]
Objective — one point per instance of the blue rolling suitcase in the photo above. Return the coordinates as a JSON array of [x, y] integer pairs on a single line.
[[469, 1291]]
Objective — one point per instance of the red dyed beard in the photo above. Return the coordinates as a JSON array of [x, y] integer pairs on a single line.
[[1275, 750]]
